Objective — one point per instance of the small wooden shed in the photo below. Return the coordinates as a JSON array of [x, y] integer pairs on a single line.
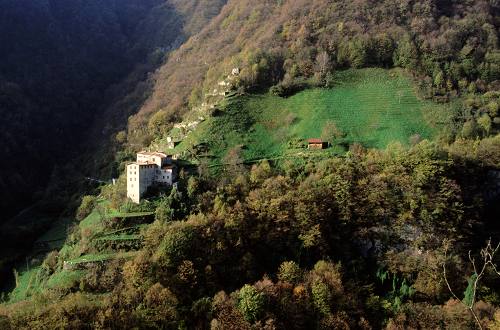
[[316, 144]]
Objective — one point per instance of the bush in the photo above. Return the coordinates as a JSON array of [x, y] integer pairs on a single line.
[[321, 296], [297, 143], [50, 261], [288, 88], [86, 207], [160, 305], [5, 323], [260, 172], [250, 303], [175, 246], [485, 123], [171, 207], [469, 130], [289, 272]]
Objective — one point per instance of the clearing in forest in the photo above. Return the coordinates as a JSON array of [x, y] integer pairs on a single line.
[[373, 107]]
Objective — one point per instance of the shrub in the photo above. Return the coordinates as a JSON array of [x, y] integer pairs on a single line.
[[51, 261], [160, 122], [469, 130], [288, 88], [5, 323], [137, 272], [86, 207], [250, 303], [162, 301], [171, 207], [176, 244], [321, 296], [289, 272], [260, 172], [485, 122], [297, 143], [415, 139], [326, 285], [331, 132]]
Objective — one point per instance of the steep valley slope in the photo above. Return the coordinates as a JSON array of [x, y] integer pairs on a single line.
[[62, 64], [260, 232]]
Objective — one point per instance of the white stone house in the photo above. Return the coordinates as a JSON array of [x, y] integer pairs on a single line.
[[150, 168]]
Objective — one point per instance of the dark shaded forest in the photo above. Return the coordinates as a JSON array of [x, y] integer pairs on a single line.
[[61, 64], [57, 59]]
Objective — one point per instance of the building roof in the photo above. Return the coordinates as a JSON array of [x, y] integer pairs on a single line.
[[145, 163], [314, 141], [141, 163], [167, 167]]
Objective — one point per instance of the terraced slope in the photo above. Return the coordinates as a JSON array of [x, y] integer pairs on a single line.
[[102, 244]]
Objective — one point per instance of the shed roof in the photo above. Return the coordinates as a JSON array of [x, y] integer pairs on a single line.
[[315, 141]]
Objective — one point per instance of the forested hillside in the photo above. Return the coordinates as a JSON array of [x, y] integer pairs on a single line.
[[56, 59], [391, 223], [451, 46]]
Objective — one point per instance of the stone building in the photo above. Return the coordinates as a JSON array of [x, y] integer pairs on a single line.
[[150, 168]]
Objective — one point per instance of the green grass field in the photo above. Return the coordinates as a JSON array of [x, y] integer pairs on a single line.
[[373, 107]]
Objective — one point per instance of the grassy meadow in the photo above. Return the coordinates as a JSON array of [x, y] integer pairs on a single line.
[[373, 107]]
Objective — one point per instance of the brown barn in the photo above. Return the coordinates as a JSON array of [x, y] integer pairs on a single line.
[[316, 144]]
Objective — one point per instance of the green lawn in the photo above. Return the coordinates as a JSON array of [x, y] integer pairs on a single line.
[[373, 107]]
